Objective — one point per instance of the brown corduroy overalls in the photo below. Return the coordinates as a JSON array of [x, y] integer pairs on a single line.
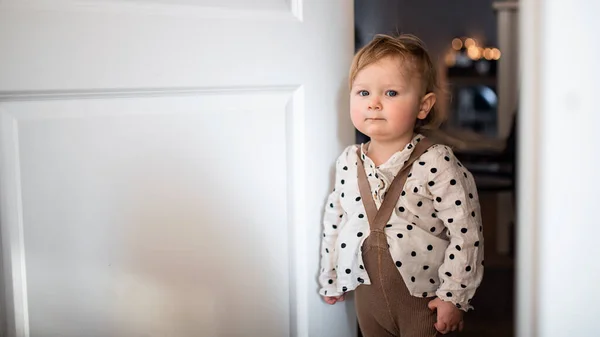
[[385, 307]]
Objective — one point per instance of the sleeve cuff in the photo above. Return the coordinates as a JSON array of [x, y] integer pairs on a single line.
[[459, 300]]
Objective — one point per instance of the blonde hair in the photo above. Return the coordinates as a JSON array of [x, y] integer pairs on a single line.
[[408, 48]]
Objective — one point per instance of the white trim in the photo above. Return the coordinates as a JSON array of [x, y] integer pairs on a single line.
[[528, 151], [11, 223]]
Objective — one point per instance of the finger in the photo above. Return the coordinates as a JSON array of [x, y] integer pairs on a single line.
[[441, 327], [461, 326], [330, 300], [431, 305]]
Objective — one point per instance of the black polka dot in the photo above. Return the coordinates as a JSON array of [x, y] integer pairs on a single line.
[[418, 140], [412, 279], [424, 294], [448, 274], [450, 220], [465, 174], [482, 262], [348, 271], [425, 267], [324, 235], [325, 292], [400, 235], [341, 215], [330, 281], [432, 229], [481, 228], [463, 230], [409, 227], [401, 209], [331, 205], [421, 163], [458, 248], [432, 281], [458, 202], [343, 181], [410, 175], [334, 226], [459, 164], [344, 289], [413, 253], [398, 264], [359, 234], [463, 286], [410, 146], [446, 158], [476, 243], [345, 168], [342, 194], [471, 195], [458, 305], [357, 198], [343, 245], [361, 216], [361, 267], [473, 214], [431, 183], [468, 268], [430, 248], [438, 199], [327, 250], [416, 190], [420, 203], [360, 280], [451, 256], [403, 193], [388, 225], [453, 182], [433, 170], [433, 215], [449, 294]]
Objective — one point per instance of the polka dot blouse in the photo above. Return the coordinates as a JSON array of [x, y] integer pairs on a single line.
[[435, 232]]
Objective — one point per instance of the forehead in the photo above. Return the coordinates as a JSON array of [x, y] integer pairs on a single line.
[[388, 69]]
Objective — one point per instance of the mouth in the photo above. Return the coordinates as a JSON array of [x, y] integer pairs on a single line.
[[374, 119]]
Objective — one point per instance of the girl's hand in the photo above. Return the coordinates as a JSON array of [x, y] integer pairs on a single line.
[[449, 317], [333, 299]]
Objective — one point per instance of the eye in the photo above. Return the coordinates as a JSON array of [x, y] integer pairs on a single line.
[[391, 93], [363, 93]]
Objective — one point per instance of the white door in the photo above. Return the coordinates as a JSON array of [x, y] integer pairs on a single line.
[[164, 165], [558, 227]]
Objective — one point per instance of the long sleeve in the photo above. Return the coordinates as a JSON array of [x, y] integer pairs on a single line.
[[333, 220], [457, 205]]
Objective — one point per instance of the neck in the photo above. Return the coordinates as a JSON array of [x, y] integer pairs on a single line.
[[381, 150]]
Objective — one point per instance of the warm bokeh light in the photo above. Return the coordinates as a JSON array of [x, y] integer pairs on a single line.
[[496, 53], [457, 44], [450, 58], [470, 43], [488, 54], [474, 53]]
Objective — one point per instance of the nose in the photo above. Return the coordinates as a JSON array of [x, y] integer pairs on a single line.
[[375, 103]]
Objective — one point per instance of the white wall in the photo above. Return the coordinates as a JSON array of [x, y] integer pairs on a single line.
[[559, 266]]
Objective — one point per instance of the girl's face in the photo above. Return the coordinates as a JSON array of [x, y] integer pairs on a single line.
[[386, 100]]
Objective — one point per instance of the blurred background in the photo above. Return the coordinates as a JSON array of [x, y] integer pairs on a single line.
[[474, 45]]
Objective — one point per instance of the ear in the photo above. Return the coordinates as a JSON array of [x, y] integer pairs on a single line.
[[427, 102]]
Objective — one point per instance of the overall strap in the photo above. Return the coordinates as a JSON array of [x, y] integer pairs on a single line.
[[379, 218]]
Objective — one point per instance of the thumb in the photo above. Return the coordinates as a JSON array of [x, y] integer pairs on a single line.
[[431, 305]]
